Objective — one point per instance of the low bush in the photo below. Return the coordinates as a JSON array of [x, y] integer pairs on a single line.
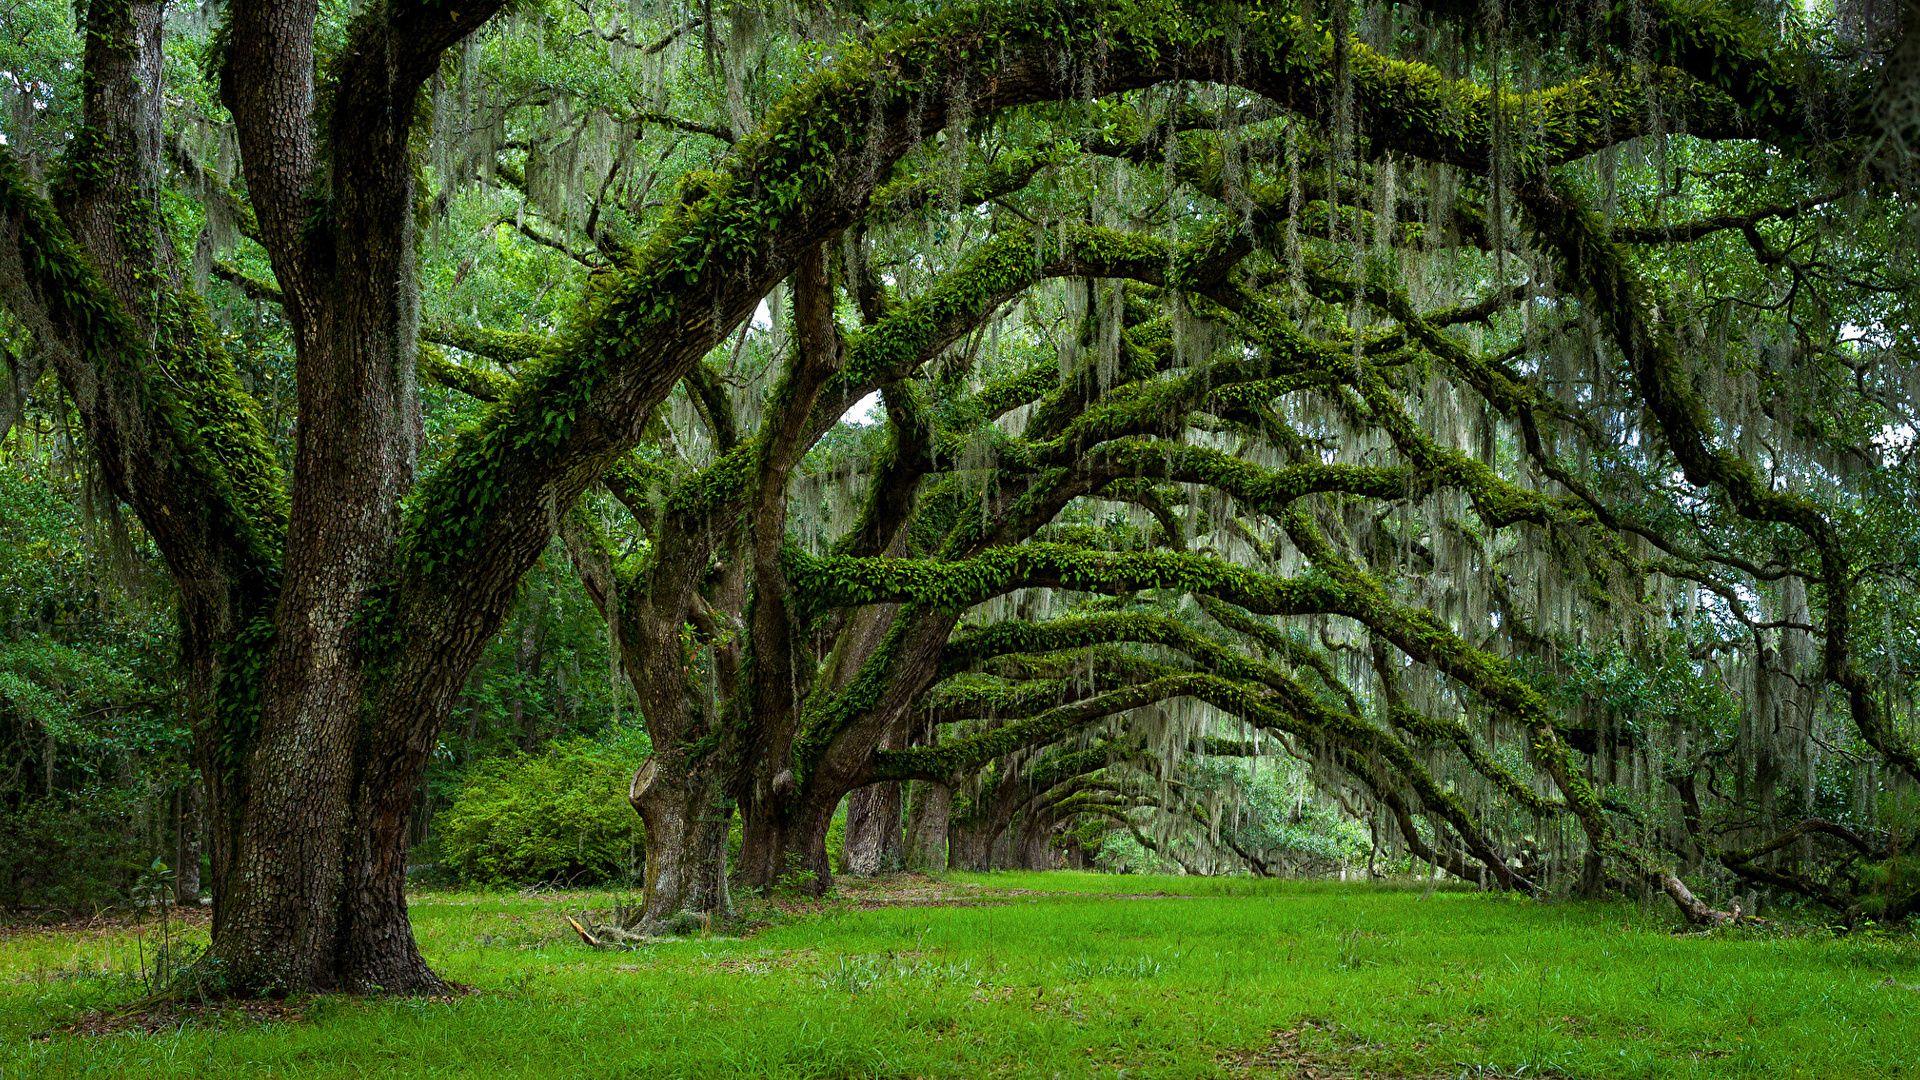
[[560, 816]]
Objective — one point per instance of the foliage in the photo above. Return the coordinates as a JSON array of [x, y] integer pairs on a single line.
[[97, 753], [546, 677], [78, 851], [559, 816]]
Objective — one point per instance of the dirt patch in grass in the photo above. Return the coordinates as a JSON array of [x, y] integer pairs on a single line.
[[915, 890], [169, 1016], [1317, 1049], [871, 893], [163, 1016], [19, 924]]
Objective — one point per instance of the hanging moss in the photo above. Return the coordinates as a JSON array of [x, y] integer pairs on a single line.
[[185, 375]]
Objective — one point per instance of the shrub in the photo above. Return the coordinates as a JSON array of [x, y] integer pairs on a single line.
[[560, 816], [76, 852]]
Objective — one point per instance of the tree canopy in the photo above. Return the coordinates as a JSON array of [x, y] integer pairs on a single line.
[[1037, 413]]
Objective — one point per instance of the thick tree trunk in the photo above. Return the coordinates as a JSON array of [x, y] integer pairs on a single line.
[[969, 845], [874, 842], [687, 816], [317, 891], [786, 847], [377, 950], [312, 895], [1036, 848], [278, 927], [315, 898], [927, 825], [378, 953]]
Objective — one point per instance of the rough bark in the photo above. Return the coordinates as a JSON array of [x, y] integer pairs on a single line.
[[679, 792], [876, 838], [785, 846], [874, 843], [932, 805], [687, 814]]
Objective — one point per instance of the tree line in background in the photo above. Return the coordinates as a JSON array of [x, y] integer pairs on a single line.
[[1271, 439]]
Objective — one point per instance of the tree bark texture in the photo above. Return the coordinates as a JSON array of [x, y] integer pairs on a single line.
[[875, 839], [932, 804], [785, 846], [687, 815]]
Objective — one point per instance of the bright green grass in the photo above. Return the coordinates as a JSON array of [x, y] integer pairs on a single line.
[[1216, 977]]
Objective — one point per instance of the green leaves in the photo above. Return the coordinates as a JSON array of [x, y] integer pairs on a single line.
[[556, 817]]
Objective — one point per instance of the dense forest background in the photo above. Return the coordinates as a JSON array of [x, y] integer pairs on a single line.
[[1600, 605]]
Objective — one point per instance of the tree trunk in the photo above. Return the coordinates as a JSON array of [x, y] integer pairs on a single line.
[[316, 896], [1004, 851], [874, 836], [279, 924], [313, 893], [687, 816], [378, 951], [786, 846], [188, 827], [319, 878], [927, 825], [969, 844], [1036, 847]]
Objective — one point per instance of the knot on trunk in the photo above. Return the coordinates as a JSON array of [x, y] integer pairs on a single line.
[[784, 784], [643, 779]]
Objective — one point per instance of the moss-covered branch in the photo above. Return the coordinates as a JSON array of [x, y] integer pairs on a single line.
[[950, 760], [838, 581], [1630, 306], [178, 433]]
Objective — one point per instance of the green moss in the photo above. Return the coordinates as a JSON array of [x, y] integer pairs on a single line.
[[949, 761], [953, 585], [477, 383], [500, 346], [990, 274], [180, 374]]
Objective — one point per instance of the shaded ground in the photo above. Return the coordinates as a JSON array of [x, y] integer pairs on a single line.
[[106, 922], [1043, 975]]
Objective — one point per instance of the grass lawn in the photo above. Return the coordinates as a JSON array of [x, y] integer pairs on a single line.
[[1044, 975]]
